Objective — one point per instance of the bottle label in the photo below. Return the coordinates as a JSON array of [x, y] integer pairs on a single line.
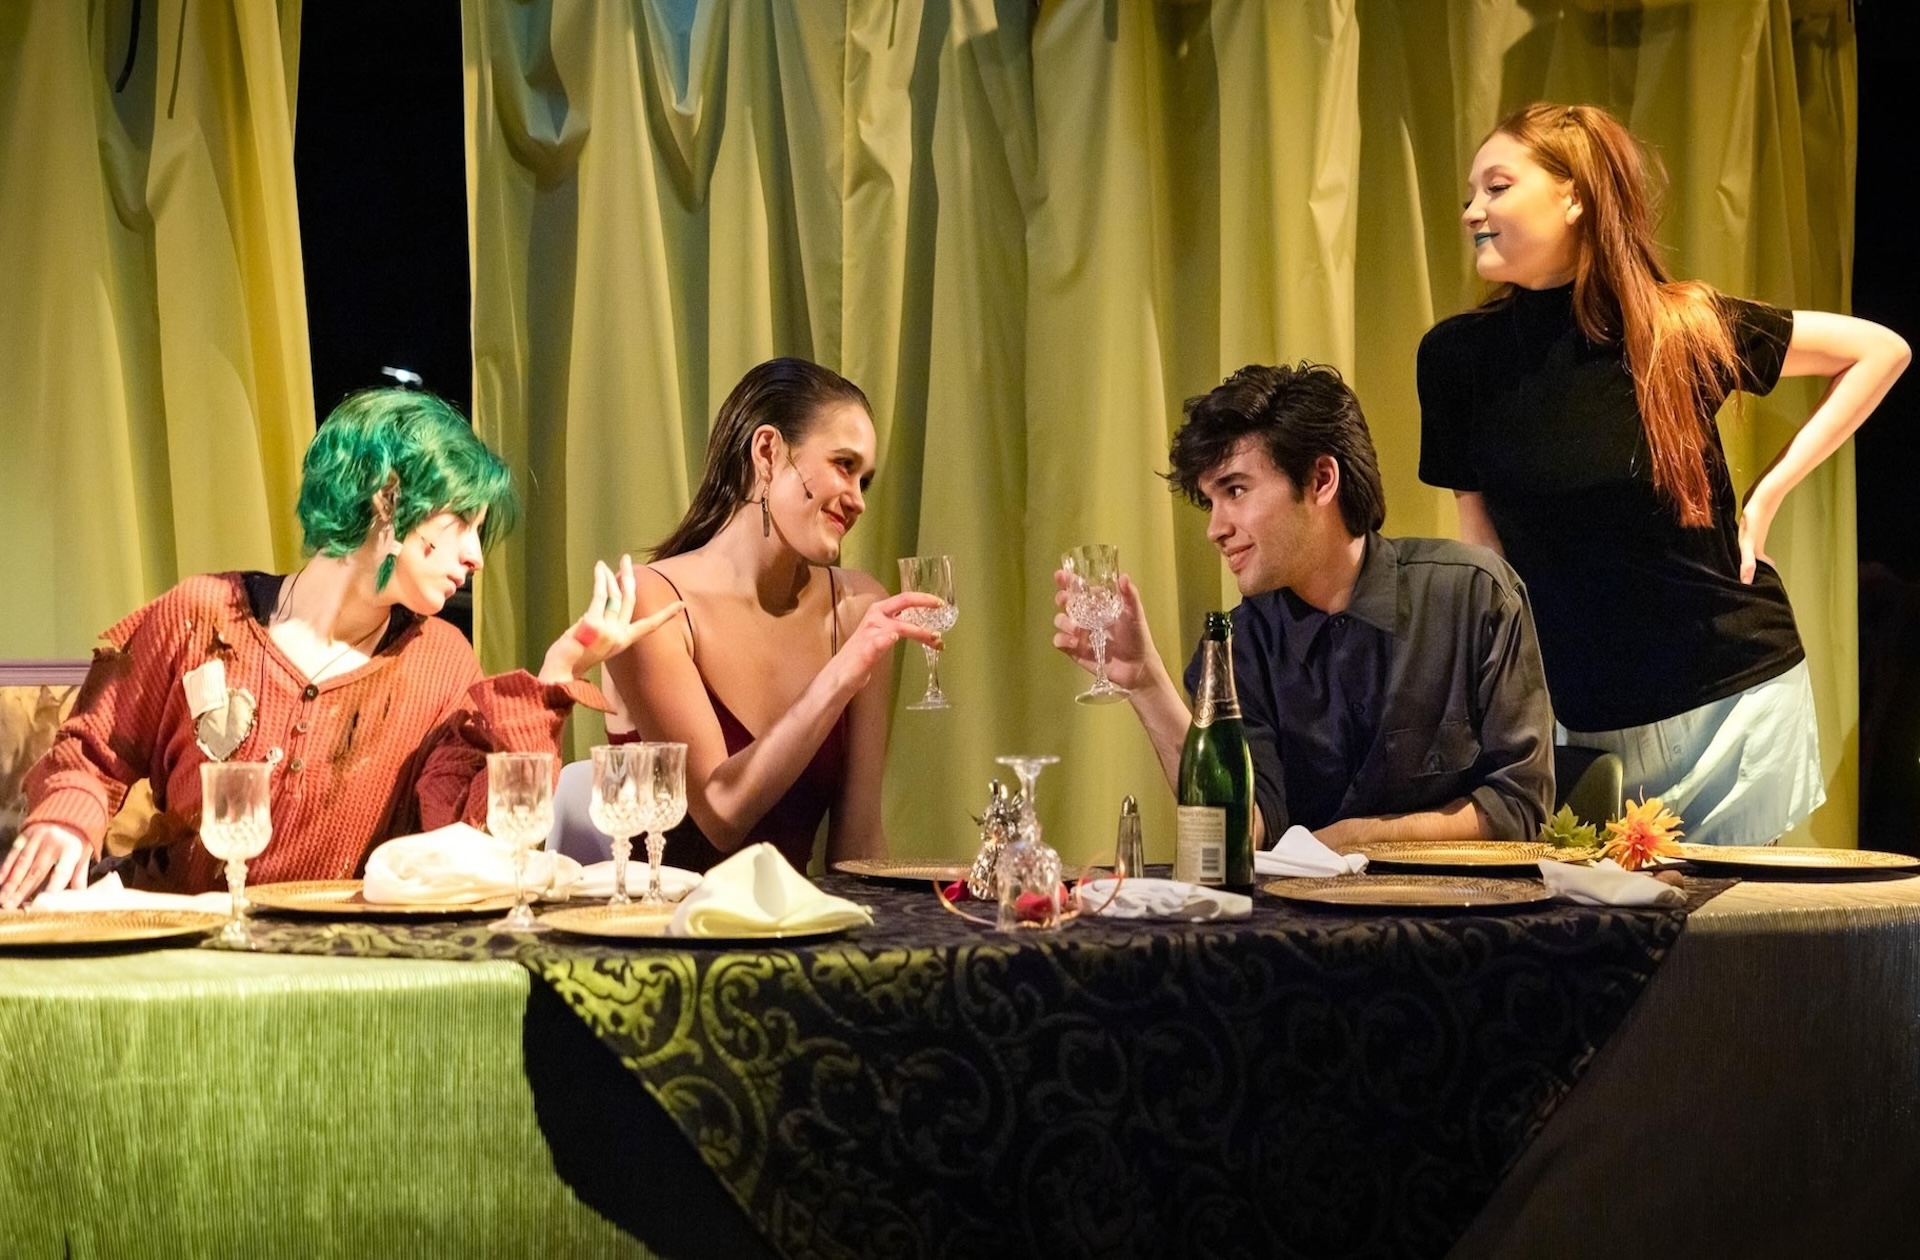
[[1216, 698], [1200, 844]]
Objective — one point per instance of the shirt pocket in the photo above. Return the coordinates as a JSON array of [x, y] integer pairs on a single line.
[[1420, 752]]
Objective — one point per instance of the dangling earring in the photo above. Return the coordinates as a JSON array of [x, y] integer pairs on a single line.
[[388, 544], [766, 517]]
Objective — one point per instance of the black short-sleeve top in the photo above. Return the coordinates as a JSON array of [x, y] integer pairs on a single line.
[[1639, 617]]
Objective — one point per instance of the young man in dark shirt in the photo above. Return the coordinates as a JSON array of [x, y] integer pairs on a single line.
[[1391, 688]]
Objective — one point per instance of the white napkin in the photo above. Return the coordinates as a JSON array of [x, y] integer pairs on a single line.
[[1144, 898], [596, 880], [1606, 883], [756, 892], [1299, 854], [456, 865], [108, 893]]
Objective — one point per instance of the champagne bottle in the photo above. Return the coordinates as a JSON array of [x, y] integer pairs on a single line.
[[1214, 830]]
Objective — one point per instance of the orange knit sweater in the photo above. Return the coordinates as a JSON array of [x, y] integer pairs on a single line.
[[395, 746]]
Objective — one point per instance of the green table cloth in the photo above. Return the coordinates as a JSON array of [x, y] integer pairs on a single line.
[[189, 1103]]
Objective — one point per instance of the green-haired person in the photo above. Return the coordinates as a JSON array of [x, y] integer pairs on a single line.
[[374, 715]]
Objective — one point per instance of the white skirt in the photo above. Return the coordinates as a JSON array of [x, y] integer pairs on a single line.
[[1738, 771]]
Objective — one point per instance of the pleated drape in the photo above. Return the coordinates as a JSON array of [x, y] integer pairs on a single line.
[[1030, 233], [155, 393]]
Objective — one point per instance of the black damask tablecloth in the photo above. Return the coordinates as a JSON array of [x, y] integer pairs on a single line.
[[1297, 1084]]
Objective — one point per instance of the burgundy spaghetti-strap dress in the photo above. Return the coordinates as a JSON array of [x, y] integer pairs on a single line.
[[793, 821]]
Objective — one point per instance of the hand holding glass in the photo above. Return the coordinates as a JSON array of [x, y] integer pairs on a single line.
[[1093, 604], [235, 825], [616, 807], [520, 812], [930, 575]]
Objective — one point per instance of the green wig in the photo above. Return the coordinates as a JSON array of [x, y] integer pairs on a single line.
[[401, 452]]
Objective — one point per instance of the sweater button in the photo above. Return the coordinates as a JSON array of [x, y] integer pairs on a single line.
[[296, 765], [310, 692]]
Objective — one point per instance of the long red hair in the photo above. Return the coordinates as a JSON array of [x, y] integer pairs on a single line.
[[1674, 334]]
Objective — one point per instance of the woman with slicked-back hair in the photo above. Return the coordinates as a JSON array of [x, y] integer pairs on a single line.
[[1573, 414], [373, 714], [770, 679]]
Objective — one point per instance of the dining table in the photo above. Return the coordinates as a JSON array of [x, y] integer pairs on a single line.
[[1739, 1074]]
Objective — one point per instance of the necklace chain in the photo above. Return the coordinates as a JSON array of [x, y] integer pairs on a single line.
[[281, 611]]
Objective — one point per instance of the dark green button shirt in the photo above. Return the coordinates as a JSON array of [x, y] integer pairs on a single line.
[[1425, 689]]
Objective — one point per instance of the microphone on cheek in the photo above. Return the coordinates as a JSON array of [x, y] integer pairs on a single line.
[[804, 487]]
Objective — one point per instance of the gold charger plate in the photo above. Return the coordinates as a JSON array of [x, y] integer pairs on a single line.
[[341, 898], [1743, 859], [903, 868], [101, 927], [1411, 892], [628, 923], [1464, 854]]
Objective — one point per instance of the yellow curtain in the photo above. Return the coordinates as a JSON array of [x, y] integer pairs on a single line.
[[153, 335], [1029, 234]]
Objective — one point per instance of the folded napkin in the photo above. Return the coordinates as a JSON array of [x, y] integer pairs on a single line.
[[596, 880], [108, 893], [756, 892], [1144, 898], [1606, 883], [456, 865], [1298, 853]]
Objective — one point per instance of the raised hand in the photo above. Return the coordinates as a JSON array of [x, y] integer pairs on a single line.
[[880, 628], [606, 628], [1129, 643]]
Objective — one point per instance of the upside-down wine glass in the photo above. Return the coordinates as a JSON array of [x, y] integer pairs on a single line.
[[662, 783], [520, 812], [930, 575], [1029, 868], [1093, 604], [616, 807], [235, 824]]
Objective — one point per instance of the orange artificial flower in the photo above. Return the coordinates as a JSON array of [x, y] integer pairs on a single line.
[[1648, 830]]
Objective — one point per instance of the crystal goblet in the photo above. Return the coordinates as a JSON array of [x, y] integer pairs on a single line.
[[1093, 604], [616, 807], [235, 825], [1028, 869], [520, 812], [662, 789], [931, 575]]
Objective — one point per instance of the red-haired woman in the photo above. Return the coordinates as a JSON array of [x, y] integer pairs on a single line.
[[1573, 415]]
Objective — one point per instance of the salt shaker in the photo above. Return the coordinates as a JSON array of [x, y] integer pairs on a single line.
[[1129, 850]]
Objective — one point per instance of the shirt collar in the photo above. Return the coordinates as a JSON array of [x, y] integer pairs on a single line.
[[1376, 592], [1375, 601]]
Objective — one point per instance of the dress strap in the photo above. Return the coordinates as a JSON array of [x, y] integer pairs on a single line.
[[686, 609]]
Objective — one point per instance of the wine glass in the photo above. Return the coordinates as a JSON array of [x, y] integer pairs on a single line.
[[1029, 868], [662, 789], [520, 812], [1093, 604], [235, 824], [616, 807], [1027, 767], [930, 575]]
